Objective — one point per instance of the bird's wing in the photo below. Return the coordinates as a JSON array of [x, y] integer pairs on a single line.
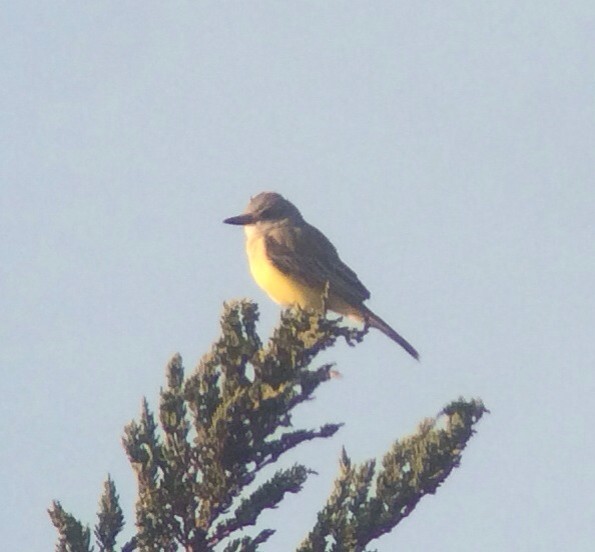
[[306, 254]]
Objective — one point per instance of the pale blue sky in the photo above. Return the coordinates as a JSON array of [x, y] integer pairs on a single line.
[[446, 149]]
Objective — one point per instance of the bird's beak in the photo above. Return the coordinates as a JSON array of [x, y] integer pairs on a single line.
[[246, 218]]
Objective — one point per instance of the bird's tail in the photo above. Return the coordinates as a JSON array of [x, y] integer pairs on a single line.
[[376, 322]]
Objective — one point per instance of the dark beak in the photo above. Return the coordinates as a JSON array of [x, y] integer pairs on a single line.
[[240, 220]]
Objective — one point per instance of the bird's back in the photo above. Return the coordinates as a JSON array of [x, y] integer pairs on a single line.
[[305, 254]]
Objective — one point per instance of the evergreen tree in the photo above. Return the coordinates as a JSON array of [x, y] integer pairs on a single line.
[[232, 417]]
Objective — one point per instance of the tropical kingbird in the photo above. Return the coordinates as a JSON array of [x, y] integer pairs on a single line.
[[295, 264]]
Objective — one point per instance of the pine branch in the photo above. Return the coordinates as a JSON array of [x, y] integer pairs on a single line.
[[231, 417], [158, 529], [267, 496], [111, 519], [248, 544], [222, 425], [72, 535], [363, 507]]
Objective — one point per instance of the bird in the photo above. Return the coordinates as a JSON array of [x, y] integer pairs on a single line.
[[296, 264]]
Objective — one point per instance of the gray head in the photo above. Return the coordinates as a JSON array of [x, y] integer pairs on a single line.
[[267, 207]]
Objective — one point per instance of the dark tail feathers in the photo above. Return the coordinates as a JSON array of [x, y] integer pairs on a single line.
[[377, 322]]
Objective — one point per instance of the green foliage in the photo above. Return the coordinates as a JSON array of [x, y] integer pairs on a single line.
[[222, 426], [111, 520], [367, 503], [218, 428], [73, 537]]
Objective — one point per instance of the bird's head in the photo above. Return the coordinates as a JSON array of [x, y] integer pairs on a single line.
[[269, 207]]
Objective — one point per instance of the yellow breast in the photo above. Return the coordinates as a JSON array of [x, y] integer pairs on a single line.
[[280, 287]]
